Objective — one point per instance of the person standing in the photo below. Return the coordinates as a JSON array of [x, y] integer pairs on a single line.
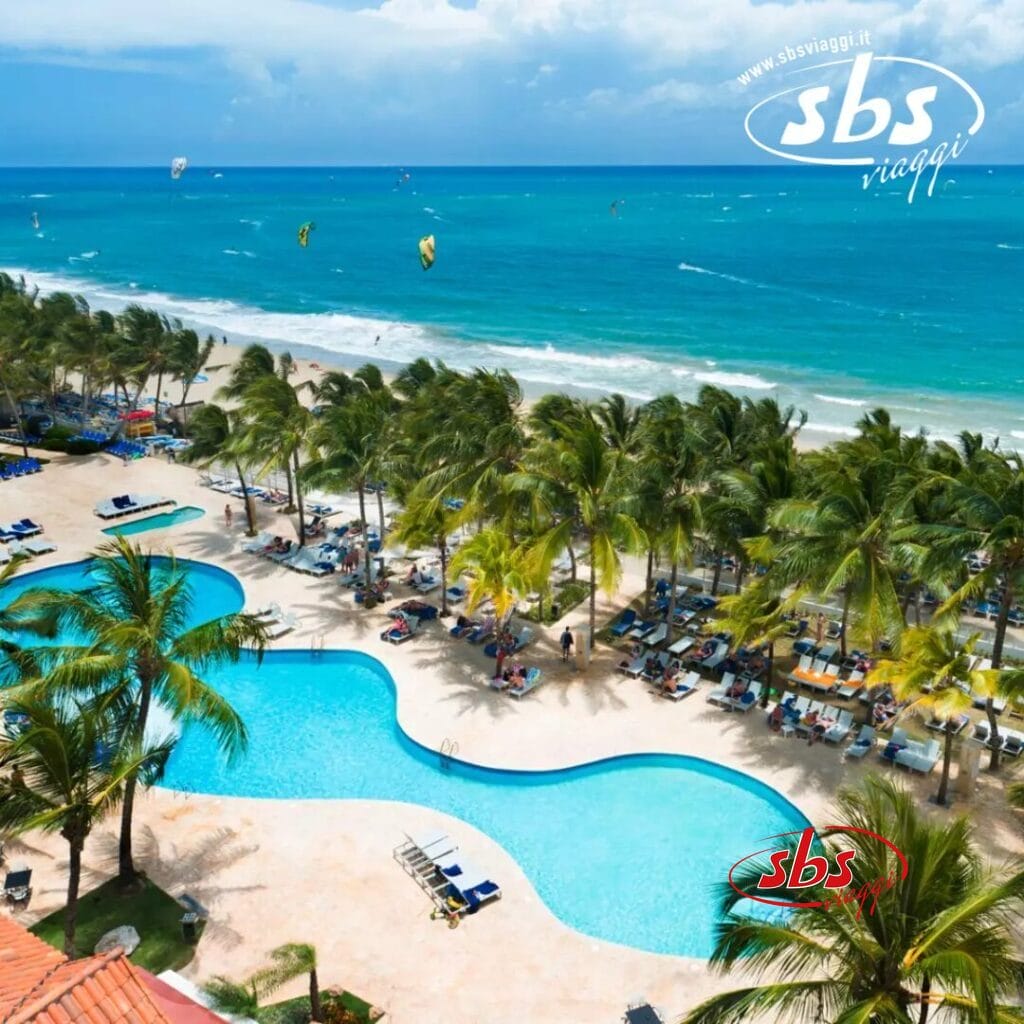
[[228, 516], [566, 641]]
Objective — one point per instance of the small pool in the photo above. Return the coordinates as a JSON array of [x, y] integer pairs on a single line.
[[160, 521]]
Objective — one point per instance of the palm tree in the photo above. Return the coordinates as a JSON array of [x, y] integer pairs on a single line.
[[291, 960], [942, 939], [758, 617], [932, 670], [69, 777], [428, 520], [986, 505], [582, 478], [188, 356], [140, 646], [144, 330], [233, 998], [497, 569], [214, 438]]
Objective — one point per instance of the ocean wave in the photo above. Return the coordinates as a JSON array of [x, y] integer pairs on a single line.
[[836, 400], [698, 195], [1006, 245], [747, 381], [89, 255], [239, 252], [550, 354], [693, 269], [251, 223], [40, 195]]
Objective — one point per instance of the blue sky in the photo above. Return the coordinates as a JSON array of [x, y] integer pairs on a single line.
[[234, 82]]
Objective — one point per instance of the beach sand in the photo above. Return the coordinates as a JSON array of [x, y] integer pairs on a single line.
[[319, 871]]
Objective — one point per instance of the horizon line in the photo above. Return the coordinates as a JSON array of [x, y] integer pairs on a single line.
[[445, 167]]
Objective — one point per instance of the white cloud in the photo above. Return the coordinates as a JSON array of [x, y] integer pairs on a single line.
[[544, 71]]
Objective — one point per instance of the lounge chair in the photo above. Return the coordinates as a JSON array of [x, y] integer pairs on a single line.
[[534, 677], [717, 657], [523, 638], [684, 687], [838, 732], [814, 706], [396, 635], [656, 636], [850, 687], [657, 670], [642, 629], [747, 700], [466, 886], [18, 885], [959, 723], [624, 624], [426, 848], [255, 545], [682, 645], [281, 627], [920, 757], [718, 694], [38, 546], [635, 668], [864, 742]]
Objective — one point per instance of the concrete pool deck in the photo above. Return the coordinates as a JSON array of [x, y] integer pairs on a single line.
[[321, 871]]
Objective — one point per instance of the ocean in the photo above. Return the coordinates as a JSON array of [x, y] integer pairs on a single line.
[[789, 282]]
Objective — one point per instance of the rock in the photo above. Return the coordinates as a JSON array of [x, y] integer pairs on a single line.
[[126, 937]]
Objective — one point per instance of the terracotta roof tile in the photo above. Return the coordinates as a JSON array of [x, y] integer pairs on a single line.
[[38, 985]]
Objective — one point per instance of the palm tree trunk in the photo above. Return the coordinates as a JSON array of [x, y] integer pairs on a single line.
[[380, 513], [649, 582], [442, 546], [739, 575], [947, 759], [766, 690], [314, 996], [16, 413], [71, 909], [250, 523], [593, 587], [846, 618], [361, 491], [718, 573], [156, 400], [997, 661], [85, 395], [290, 507], [126, 874], [670, 615], [572, 561], [298, 499], [926, 990]]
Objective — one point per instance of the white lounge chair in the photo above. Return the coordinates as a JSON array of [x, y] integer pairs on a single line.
[[682, 645], [534, 677], [864, 742], [838, 732], [747, 700], [255, 545], [717, 695], [852, 686], [656, 636], [690, 683], [38, 546], [920, 757]]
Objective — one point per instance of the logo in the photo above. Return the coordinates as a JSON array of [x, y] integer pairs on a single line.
[[867, 111], [795, 870]]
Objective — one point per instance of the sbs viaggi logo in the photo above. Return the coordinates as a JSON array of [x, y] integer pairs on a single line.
[[857, 867], [902, 117]]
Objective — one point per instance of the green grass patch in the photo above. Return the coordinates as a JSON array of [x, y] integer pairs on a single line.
[[566, 597], [150, 911], [296, 1011]]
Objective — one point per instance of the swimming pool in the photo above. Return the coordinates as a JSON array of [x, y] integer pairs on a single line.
[[185, 514], [629, 849]]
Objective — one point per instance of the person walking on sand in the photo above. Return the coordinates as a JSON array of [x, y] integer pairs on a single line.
[[228, 516], [566, 641], [819, 628]]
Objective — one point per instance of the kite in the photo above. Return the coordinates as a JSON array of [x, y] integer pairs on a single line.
[[427, 250], [304, 231], [178, 165]]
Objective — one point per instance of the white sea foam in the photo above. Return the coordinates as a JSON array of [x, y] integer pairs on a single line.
[[1006, 245], [836, 400], [239, 252], [251, 223], [550, 354], [90, 255], [41, 195], [429, 209], [747, 381], [693, 269]]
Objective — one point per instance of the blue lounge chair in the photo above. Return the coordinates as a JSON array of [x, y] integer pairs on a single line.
[[625, 623]]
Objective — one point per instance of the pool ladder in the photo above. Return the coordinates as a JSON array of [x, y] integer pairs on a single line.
[[316, 645], [449, 748]]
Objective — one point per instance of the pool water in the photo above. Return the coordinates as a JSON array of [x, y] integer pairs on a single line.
[[630, 849], [156, 522]]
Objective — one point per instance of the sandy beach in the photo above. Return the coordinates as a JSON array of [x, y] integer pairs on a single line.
[[273, 871]]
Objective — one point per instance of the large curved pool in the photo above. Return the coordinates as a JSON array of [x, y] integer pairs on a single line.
[[630, 849]]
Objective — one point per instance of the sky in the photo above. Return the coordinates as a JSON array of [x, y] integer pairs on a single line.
[[437, 82]]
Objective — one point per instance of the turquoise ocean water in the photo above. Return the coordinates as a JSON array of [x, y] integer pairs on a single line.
[[770, 281]]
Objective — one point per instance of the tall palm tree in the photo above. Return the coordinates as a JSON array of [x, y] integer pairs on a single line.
[[139, 645], [292, 960], [582, 478], [215, 438], [188, 356], [497, 568], [428, 520], [986, 504], [941, 940], [758, 617], [145, 331], [932, 670], [69, 777]]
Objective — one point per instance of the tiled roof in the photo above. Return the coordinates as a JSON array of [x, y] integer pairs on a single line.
[[39, 985]]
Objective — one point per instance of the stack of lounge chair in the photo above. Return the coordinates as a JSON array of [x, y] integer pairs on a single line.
[[22, 539], [11, 468], [129, 504], [451, 881], [275, 622]]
